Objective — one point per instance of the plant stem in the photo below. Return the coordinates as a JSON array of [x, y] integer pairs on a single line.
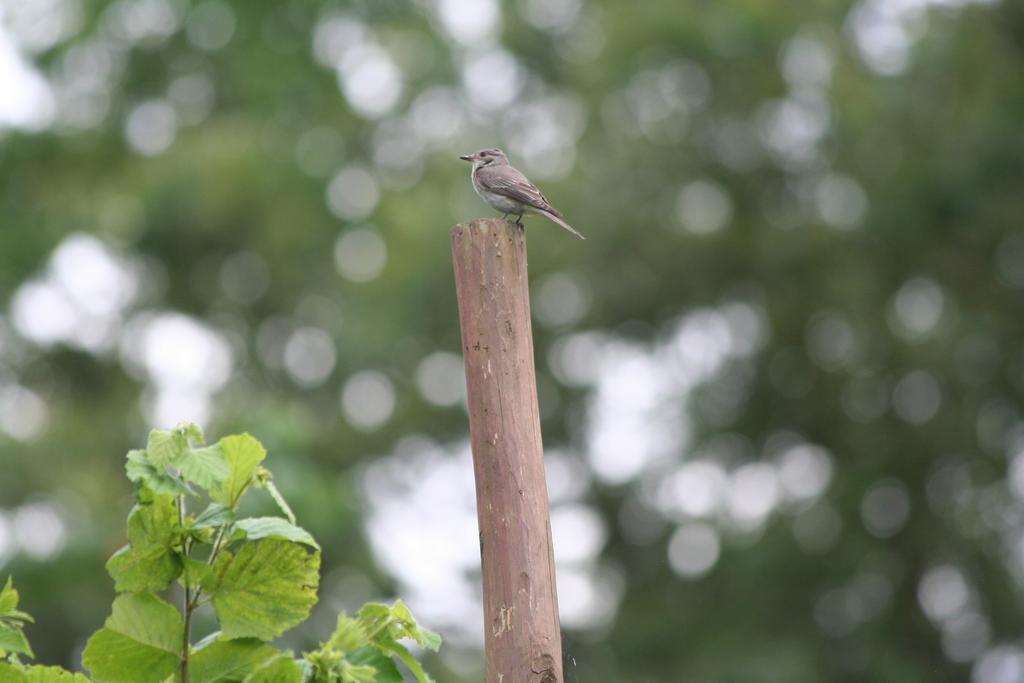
[[193, 604], [188, 604], [186, 636], [217, 543]]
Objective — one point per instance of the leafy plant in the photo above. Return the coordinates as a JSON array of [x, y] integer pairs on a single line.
[[259, 574]]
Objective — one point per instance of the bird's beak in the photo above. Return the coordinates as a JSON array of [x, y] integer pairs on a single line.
[[466, 157]]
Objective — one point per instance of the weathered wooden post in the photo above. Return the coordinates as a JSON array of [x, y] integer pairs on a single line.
[[523, 638]]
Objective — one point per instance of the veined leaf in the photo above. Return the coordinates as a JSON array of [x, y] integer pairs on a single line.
[[256, 528], [205, 467], [141, 471], [382, 664], [349, 635], [195, 573], [150, 568], [12, 638], [190, 430], [39, 674], [54, 674], [279, 499], [11, 673], [243, 455], [360, 673], [264, 590], [208, 640], [384, 623], [229, 660], [150, 562], [164, 446], [154, 523], [281, 669], [139, 643], [8, 598], [406, 627], [411, 662], [370, 641], [214, 515]]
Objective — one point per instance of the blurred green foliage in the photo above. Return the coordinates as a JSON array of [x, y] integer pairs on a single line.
[[852, 174]]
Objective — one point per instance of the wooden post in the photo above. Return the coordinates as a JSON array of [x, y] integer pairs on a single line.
[[523, 639]]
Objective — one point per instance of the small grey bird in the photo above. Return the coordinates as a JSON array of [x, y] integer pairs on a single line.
[[506, 189]]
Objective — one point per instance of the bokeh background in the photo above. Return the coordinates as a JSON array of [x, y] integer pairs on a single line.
[[781, 382]]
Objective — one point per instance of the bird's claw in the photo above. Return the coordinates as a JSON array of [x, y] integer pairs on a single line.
[[518, 221]]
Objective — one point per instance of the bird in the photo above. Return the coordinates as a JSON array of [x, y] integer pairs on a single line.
[[506, 189]]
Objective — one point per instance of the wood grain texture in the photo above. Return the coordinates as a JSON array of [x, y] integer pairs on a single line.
[[523, 639]]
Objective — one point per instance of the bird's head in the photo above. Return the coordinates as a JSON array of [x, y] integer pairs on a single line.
[[486, 157]]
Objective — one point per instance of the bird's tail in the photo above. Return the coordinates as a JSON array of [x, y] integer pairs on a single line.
[[558, 219]]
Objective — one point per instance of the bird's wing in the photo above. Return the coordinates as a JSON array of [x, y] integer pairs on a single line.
[[510, 182]]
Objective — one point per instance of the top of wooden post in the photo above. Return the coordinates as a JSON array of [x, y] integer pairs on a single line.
[[497, 228], [522, 638]]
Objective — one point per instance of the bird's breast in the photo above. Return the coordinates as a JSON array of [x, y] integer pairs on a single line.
[[500, 202], [497, 201]]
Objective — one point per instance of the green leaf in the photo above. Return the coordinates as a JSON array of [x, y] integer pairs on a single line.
[[371, 640], [11, 673], [385, 623], [243, 455], [151, 561], [12, 638], [264, 590], [52, 674], [229, 660], [151, 568], [8, 598], [154, 523], [274, 527], [139, 643], [164, 446], [281, 669], [411, 662], [279, 499], [349, 635], [205, 467], [213, 516], [208, 640], [141, 471], [202, 528], [383, 665], [408, 628], [195, 573], [190, 431], [360, 673], [138, 466]]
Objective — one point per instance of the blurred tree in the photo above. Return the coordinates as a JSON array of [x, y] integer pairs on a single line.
[[781, 381]]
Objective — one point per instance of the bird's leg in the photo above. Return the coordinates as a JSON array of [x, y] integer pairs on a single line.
[[519, 220]]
